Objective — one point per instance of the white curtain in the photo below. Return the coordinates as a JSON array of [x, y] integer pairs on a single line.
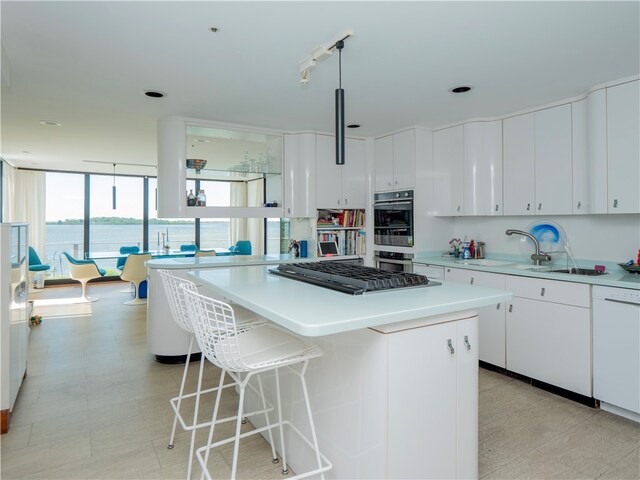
[[8, 192], [238, 226], [255, 226], [30, 205]]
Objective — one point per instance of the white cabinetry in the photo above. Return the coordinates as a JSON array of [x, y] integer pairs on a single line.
[[482, 168], [492, 319], [429, 271], [448, 160], [549, 332], [395, 163], [14, 312], [340, 186], [299, 175], [623, 145], [597, 150], [445, 356], [580, 158], [537, 162]]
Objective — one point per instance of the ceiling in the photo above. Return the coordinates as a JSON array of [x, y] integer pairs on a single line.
[[86, 65]]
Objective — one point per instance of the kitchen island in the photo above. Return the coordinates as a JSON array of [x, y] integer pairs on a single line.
[[396, 393]]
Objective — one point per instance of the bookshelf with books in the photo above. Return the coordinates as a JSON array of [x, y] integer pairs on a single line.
[[345, 227]]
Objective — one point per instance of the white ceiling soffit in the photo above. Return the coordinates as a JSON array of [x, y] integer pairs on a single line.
[[86, 65]]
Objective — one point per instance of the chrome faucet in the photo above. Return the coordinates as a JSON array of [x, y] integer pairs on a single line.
[[538, 256]]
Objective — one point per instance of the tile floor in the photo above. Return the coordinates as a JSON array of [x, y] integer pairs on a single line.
[[95, 405]]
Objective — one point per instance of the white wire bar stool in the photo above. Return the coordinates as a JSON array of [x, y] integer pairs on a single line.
[[243, 351], [176, 299]]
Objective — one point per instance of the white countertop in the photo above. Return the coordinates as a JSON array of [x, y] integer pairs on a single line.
[[615, 276], [315, 311], [235, 261]]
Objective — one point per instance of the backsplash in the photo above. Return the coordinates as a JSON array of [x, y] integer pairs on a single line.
[[614, 238]]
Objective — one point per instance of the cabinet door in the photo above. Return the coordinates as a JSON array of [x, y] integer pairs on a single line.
[[422, 400], [467, 399], [518, 165], [553, 175], [483, 168], [597, 150], [623, 132], [550, 342], [492, 327], [354, 175], [404, 160], [579, 159], [300, 175], [448, 154], [383, 162], [432, 272], [328, 184]]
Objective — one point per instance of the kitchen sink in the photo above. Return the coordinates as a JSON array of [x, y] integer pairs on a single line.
[[579, 271]]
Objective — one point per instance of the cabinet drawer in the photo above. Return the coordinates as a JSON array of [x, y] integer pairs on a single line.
[[550, 290], [430, 271]]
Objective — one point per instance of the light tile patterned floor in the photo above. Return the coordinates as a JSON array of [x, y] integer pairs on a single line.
[[95, 405]]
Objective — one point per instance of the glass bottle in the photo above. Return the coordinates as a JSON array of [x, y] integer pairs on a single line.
[[202, 199], [191, 199]]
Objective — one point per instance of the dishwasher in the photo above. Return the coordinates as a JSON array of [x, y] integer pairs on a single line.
[[616, 350]]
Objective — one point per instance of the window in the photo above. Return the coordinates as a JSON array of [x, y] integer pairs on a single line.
[[215, 232], [172, 231], [64, 221]]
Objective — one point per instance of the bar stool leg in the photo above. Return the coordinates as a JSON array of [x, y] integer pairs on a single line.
[[195, 416], [311, 422], [285, 469], [214, 417], [236, 443], [184, 379], [274, 457]]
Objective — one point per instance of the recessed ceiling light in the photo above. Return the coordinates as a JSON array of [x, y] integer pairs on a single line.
[[25, 151], [50, 123], [460, 89], [214, 29], [353, 125], [201, 140], [155, 94]]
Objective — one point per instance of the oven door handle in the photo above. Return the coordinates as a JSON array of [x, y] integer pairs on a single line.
[[393, 260], [392, 203]]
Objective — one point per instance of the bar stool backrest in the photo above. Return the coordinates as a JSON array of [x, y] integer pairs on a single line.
[[214, 325], [176, 298]]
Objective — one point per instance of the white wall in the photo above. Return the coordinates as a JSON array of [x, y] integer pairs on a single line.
[[614, 238]]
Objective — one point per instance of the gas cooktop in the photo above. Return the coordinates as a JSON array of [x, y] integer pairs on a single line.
[[349, 278]]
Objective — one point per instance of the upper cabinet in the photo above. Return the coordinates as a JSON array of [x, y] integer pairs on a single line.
[[340, 186], [201, 155], [623, 148], [537, 162], [299, 175], [482, 172], [448, 159], [394, 159]]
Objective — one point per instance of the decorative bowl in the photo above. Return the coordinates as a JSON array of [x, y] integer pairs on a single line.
[[196, 163], [635, 268]]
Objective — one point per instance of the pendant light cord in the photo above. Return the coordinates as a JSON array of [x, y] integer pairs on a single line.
[[340, 68]]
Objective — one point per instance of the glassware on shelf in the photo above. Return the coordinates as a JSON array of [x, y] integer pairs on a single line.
[[201, 199]]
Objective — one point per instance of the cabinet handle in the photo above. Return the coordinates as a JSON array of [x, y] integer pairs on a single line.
[[542, 292], [338, 201], [396, 182], [528, 207], [466, 342], [458, 207], [579, 206], [510, 308], [496, 207], [450, 345], [448, 270], [615, 203], [345, 201], [539, 206], [289, 210], [498, 306], [471, 282], [389, 183]]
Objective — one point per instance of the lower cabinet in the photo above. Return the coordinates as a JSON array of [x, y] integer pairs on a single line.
[[492, 320], [549, 332], [433, 380]]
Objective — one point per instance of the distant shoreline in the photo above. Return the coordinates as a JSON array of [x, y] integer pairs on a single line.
[[125, 221]]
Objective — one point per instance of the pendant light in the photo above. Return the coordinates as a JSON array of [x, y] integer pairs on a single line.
[[339, 108], [113, 189]]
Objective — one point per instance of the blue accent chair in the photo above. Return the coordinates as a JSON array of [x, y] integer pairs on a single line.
[[35, 265], [83, 271], [125, 251], [242, 247], [189, 248]]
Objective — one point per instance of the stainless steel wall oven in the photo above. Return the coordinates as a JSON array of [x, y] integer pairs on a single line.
[[393, 218], [393, 261]]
